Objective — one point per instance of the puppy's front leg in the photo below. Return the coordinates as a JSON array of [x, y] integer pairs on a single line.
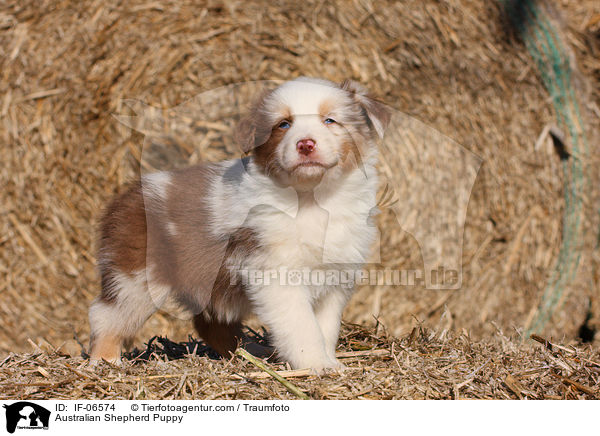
[[288, 313], [328, 311]]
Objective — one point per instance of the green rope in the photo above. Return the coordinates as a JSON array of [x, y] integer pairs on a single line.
[[546, 48]]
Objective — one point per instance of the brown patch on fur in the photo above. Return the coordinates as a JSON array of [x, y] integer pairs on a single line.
[[227, 296], [228, 293], [189, 261], [286, 114], [220, 336], [122, 238], [264, 155], [257, 134], [192, 262], [325, 107]]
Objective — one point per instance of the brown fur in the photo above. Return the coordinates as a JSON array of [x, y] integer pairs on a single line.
[[222, 337], [192, 262], [325, 107], [264, 153], [254, 130], [122, 233], [227, 293]]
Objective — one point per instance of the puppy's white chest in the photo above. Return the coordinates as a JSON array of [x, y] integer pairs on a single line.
[[298, 240], [316, 237]]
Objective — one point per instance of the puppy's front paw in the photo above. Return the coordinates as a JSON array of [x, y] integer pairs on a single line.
[[336, 368], [327, 366]]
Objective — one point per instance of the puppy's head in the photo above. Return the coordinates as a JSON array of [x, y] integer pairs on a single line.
[[308, 130]]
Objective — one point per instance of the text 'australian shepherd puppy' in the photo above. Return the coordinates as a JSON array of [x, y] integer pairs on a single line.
[[237, 237]]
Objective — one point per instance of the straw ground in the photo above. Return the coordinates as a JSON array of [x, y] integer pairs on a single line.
[[454, 65]]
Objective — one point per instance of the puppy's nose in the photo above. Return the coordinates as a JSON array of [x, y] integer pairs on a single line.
[[306, 146]]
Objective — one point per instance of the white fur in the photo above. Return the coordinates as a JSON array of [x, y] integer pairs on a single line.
[[304, 94], [302, 98], [297, 336], [137, 297], [171, 228], [328, 312], [154, 185]]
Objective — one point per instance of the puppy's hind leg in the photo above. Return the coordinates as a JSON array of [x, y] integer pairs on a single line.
[[223, 337], [117, 315]]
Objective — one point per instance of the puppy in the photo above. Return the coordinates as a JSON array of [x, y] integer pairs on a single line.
[[247, 235]]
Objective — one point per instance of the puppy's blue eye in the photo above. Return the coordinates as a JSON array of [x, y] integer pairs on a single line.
[[284, 125], [329, 121]]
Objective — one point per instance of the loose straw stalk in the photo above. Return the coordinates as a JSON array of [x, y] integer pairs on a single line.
[[289, 386]]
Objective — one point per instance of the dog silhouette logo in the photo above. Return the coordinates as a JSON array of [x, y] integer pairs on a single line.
[[26, 415]]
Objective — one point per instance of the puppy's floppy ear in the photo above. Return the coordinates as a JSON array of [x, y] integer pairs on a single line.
[[245, 134], [253, 129], [377, 113]]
